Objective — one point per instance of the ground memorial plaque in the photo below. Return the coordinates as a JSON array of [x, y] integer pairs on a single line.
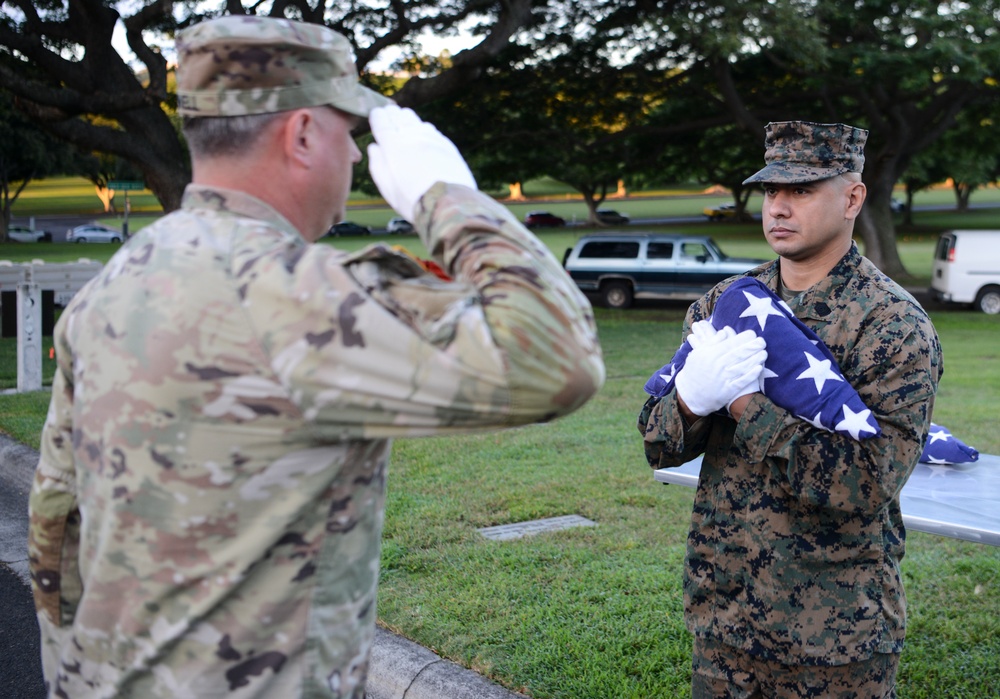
[[517, 530]]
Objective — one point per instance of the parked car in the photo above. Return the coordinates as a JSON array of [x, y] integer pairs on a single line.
[[621, 267], [967, 269], [399, 225], [348, 228], [611, 217], [93, 233], [897, 206], [719, 211], [21, 234], [543, 219]]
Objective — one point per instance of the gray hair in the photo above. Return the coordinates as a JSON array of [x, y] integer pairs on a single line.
[[221, 136]]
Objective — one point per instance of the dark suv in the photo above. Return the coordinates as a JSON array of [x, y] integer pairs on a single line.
[[543, 219], [611, 217], [621, 267], [348, 228]]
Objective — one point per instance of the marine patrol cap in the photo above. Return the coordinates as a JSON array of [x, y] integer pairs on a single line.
[[241, 64], [803, 151]]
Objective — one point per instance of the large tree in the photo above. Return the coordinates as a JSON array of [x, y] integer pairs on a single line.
[[59, 59], [26, 154], [562, 102], [712, 155], [968, 156], [905, 71], [565, 118], [969, 153]]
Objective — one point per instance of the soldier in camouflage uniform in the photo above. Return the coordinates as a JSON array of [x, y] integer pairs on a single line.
[[206, 514], [792, 584]]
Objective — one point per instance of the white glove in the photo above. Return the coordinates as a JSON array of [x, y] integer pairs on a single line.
[[409, 156], [720, 369], [703, 331]]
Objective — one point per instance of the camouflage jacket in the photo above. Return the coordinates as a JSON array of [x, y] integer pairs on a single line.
[[796, 536], [207, 508]]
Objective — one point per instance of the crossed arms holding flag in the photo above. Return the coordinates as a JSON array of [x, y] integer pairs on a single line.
[[737, 352], [842, 383], [797, 491]]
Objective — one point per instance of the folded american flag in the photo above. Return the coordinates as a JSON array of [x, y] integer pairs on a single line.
[[800, 375], [943, 447]]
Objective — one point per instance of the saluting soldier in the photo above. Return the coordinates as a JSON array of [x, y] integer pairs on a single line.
[[206, 515]]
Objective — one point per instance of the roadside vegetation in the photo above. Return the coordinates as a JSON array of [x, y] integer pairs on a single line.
[[596, 612]]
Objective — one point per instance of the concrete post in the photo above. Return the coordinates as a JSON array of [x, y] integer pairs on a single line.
[[29, 333]]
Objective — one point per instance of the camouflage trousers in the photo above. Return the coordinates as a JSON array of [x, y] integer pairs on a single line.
[[721, 671]]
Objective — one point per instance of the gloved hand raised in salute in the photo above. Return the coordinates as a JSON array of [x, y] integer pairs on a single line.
[[409, 156]]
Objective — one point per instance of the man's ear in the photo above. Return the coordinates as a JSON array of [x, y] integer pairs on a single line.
[[856, 194], [298, 132]]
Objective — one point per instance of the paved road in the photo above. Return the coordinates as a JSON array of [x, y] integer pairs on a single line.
[[20, 664]]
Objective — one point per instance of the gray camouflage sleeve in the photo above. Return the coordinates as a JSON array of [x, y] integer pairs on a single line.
[[510, 341], [54, 518], [536, 315]]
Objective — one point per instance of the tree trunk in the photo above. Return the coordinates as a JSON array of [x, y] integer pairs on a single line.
[[962, 194], [742, 196], [593, 197], [876, 227], [592, 203], [107, 197], [908, 211]]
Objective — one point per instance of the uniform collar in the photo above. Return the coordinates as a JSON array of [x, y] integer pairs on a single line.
[[818, 301], [235, 202]]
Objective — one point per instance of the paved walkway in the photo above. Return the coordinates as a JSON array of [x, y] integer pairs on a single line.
[[400, 669]]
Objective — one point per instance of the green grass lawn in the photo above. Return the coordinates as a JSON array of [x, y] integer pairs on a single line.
[[596, 612]]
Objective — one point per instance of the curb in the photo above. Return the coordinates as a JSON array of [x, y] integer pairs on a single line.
[[399, 668], [402, 669]]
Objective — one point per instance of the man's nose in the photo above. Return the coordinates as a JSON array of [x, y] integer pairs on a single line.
[[779, 204]]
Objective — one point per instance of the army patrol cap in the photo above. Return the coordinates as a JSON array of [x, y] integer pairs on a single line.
[[240, 64], [803, 151]]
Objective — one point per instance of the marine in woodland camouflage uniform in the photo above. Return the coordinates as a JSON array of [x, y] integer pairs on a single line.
[[206, 514], [792, 582]]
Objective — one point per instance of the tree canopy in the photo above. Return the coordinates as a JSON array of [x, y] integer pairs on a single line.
[[59, 59], [586, 91], [570, 117], [26, 154], [600, 90]]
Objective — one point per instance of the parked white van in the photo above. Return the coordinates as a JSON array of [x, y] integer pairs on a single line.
[[967, 269]]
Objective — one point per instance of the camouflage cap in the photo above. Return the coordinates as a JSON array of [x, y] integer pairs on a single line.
[[238, 65], [802, 151]]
